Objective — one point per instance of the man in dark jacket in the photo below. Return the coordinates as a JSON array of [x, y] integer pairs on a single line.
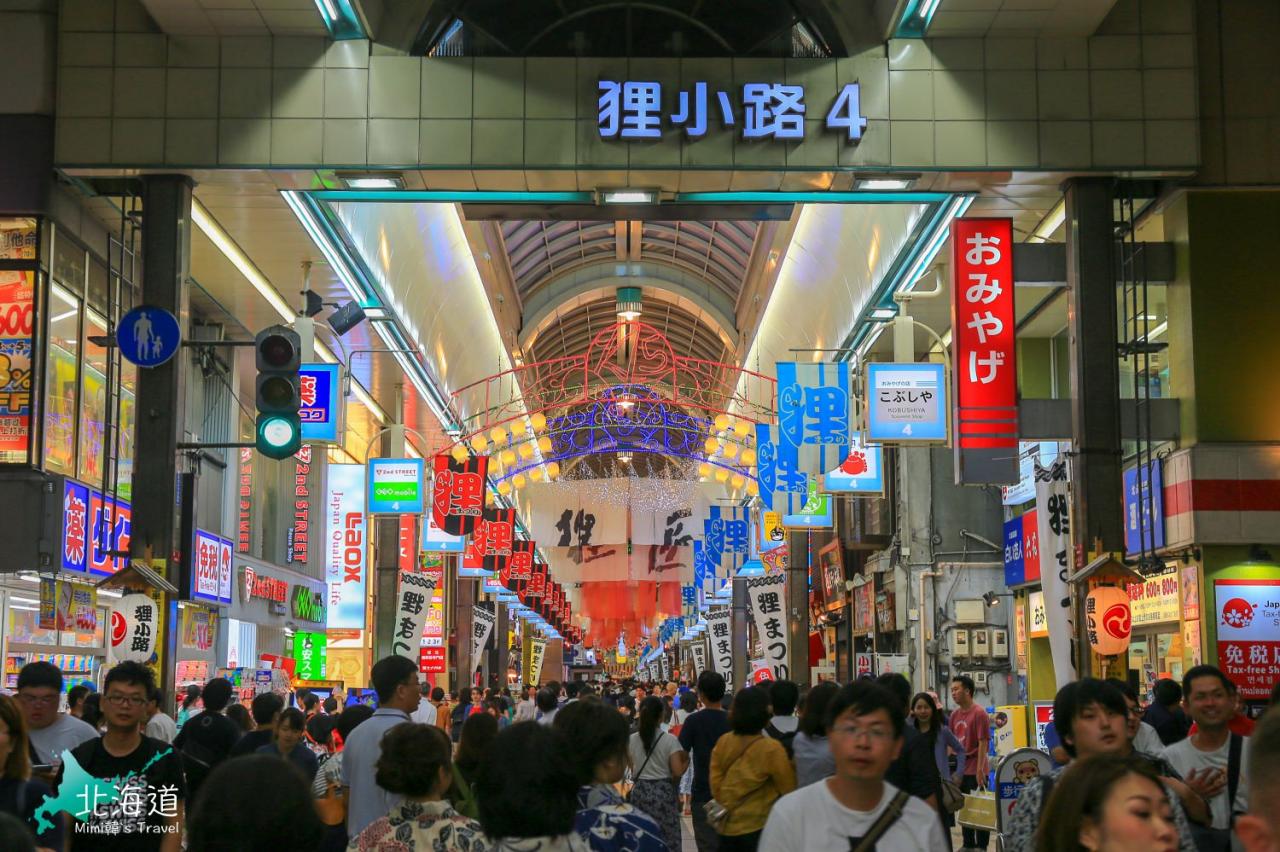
[[915, 769], [1165, 713]]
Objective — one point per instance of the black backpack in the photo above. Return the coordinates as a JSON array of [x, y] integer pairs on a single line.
[[785, 739]]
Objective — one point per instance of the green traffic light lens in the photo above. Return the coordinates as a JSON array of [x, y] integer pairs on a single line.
[[278, 431]]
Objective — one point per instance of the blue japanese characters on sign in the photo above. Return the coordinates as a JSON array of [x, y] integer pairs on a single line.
[[1143, 508], [633, 110], [318, 386]]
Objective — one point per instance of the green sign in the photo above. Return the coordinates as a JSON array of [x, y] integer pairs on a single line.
[[395, 487], [309, 651]]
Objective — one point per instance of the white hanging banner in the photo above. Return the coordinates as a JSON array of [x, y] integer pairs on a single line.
[[135, 621], [1053, 511], [413, 602], [481, 626], [719, 632], [569, 514], [699, 656], [768, 597], [664, 665], [536, 654]]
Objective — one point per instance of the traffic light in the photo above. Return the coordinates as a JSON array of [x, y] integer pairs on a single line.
[[277, 351]]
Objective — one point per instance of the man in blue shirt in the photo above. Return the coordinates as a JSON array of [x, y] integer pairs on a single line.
[[395, 679], [699, 736]]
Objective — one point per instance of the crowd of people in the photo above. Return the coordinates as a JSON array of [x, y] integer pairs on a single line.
[[866, 766]]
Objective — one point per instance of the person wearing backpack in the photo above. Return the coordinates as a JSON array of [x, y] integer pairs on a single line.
[[207, 739], [783, 727], [856, 810]]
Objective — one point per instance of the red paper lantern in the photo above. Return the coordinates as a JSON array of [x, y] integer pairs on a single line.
[[1108, 620]]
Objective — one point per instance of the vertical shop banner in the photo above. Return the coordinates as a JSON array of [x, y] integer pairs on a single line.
[[210, 568], [244, 501], [699, 656], [1143, 508], [433, 634], [719, 629], [1053, 508], [521, 567], [346, 534], [499, 539], [318, 388], [536, 656], [396, 487], [482, 621], [985, 354], [1022, 549], [458, 492], [768, 598], [407, 556], [416, 592], [47, 618], [17, 323], [1248, 643], [298, 540], [310, 651], [815, 415]]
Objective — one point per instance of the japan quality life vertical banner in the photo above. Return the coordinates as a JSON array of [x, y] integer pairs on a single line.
[[482, 621], [768, 597], [416, 592], [719, 632], [1053, 510], [1249, 634], [983, 328], [347, 554]]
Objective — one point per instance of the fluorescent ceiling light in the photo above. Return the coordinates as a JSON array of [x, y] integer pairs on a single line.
[[1050, 223], [329, 9], [1158, 330], [871, 184], [629, 196], [927, 8], [372, 181], [232, 252], [62, 316], [883, 314], [375, 314]]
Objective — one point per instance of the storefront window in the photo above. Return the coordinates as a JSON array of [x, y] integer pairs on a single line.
[[17, 330], [60, 403], [93, 399], [24, 623]]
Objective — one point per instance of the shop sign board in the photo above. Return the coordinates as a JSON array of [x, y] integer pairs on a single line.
[[298, 536], [48, 616], [416, 591], [319, 386], [244, 500], [1191, 592], [814, 513], [1039, 628], [346, 568], [307, 604], [1022, 549], [395, 486], [633, 110], [431, 660], [1043, 711], [433, 633], [864, 608], [1020, 633], [258, 586], [1155, 599], [861, 472], [1144, 508], [17, 323], [1248, 613], [309, 653], [84, 511], [199, 628], [985, 353], [906, 403], [211, 568], [436, 540]]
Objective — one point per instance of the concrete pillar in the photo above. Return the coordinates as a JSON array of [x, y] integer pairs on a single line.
[[500, 630], [798, 606], [166, 257], [386, 578], [741, 618]]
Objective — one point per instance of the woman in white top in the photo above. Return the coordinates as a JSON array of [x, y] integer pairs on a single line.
[[657, 762]]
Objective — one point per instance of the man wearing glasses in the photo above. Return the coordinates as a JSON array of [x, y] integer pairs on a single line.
[[148, 810], [856, 805], [51, 732]]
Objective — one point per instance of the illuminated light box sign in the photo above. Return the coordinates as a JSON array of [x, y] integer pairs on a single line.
[[346, 554], [907, 403], [633, 110], [84, 511], [310, 651], [395, 487], [861, 472], [211, 568], [319, 385]]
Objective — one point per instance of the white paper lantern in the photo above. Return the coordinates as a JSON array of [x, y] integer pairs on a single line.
[[135, 621]]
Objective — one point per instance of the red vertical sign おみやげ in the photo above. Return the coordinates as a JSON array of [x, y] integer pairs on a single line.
[[983, 326]]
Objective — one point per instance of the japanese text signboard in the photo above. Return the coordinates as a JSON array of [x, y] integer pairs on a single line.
[[318, 386], [457, 495], [1249, 634], [1053, 516], [416, 593], [135, 622], [309, 654], [984, 355], [93, 529], [244, 501], [906, 403], [1155, 599], [395, 486], [433, 633], [17, 317], [482, 621], [346, 556], [1022, 549], [211, 568], [719, 623], [1143, 508], [768, 598]]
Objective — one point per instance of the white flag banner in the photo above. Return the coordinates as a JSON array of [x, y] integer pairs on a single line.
[[664, 663], [574, 514], [481, 626], [536, 654], [719, 633], [1053, 510], [768, 597], [416, 593], [699, 657]]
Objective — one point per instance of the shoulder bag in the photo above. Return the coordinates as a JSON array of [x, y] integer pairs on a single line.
[[881, 825], [635, 778], [717, 813]]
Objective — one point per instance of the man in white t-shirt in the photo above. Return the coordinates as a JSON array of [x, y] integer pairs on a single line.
[[865, 733], [50, 732], [1203, 759], [426, 712]]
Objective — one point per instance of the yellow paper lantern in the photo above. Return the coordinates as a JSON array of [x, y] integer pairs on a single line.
[[722, 475], [748, 457], [722, 422], [479, 442], [498, 434], [741, 428], [536, 474], [519, 427], [544, 445], [518, 481], [553, 470], [753, 487], [730, 450], [525, 450], [507, 457], [504, 488], [704, 470], [1109, 620], [538, 421], [459, 453], [738, 480], [711, 445]]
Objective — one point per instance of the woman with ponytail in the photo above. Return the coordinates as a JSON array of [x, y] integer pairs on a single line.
[[657, 761]]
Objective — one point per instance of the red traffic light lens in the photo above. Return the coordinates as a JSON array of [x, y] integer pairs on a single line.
[[276, 350]]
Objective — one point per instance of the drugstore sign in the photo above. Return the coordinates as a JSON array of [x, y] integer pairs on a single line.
[[83, 512]]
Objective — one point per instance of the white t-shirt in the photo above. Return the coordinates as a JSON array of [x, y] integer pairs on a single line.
[[811, 820], [161, 727], [659, 767], [785, 724], [425, 714], [66, 732], [1148, 741], [1184, 757]]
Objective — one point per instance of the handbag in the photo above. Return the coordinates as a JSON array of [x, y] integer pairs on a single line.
[[881, 825], [717, 813], [950, 797], [635, 779]]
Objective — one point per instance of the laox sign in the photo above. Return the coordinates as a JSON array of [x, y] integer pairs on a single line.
[[353, 547]]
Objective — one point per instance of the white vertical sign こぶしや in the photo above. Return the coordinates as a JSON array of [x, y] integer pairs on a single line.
[[1053, 510], [537, 652], [699, 656], [416, 593], [482, 621], [719, 632], [768, 597]]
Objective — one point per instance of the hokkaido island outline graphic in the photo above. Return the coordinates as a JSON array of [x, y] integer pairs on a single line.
[[78, 788]]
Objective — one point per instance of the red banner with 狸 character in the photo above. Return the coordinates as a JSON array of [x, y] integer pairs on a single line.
[[499, 539], [984, 359], [537, 581], [521, 561], [458, 492]]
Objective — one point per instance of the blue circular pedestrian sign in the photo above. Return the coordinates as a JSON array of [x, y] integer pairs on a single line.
[[148, 336]]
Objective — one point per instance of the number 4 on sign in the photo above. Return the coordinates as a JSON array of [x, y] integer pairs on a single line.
[[906, 430], [846, 112]]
